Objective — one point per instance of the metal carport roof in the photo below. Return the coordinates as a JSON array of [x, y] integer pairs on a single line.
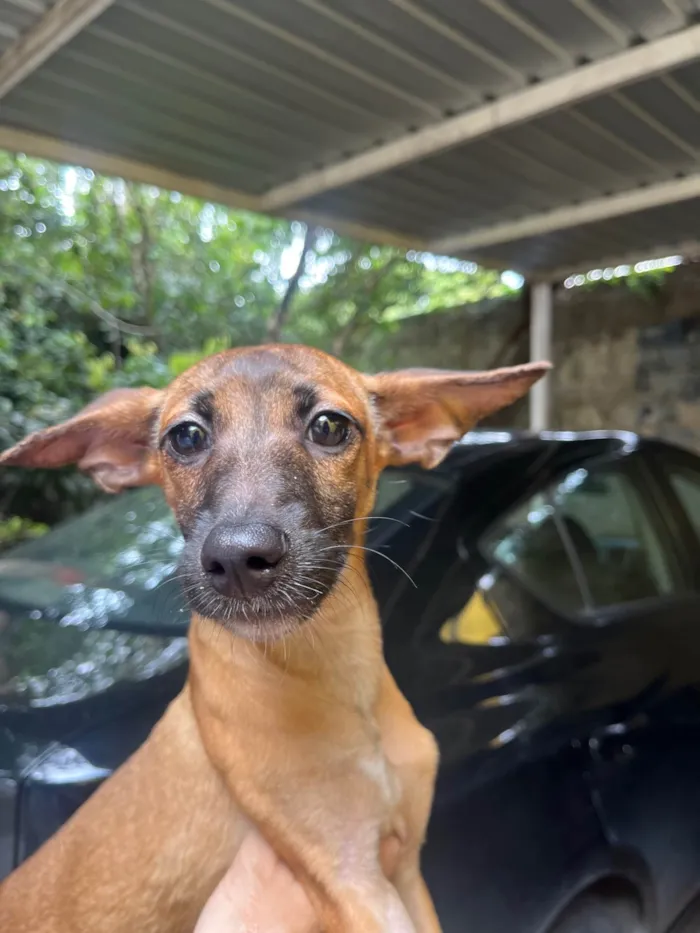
[[539, 135]]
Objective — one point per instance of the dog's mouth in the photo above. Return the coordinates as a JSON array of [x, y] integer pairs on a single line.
[[263, 598]]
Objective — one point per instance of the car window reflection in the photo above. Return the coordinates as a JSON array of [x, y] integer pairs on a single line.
[[587, 542], [478, 622]]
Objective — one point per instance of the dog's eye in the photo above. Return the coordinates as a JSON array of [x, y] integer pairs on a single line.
[[188, 439], [329, 429]]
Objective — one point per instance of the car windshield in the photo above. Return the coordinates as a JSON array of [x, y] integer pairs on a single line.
[[116, 565], [117, 561]]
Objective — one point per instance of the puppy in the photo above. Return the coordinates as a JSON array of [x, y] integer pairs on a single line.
[[290, 720]]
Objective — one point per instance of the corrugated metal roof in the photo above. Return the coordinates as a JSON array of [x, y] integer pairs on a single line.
[[648, 133], [17, 16], [625, 238], [253, 94]]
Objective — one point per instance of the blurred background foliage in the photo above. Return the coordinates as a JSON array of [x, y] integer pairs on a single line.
[[104, 283]]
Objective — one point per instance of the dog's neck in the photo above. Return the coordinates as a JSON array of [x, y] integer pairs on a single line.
[[336, 654]]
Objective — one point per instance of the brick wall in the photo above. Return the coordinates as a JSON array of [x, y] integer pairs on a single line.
[[624, 358]]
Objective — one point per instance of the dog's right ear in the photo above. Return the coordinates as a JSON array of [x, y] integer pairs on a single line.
[[110, 440], [422, 412]]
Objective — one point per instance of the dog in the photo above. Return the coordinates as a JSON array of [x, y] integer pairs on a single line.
[[290, 722]]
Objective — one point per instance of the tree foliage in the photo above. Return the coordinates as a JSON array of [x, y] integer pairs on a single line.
[[106, 283]]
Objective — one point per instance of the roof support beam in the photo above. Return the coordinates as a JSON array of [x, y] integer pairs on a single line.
[[563, 218], [541, 305], [48, 147], [55, 28], [567, 89]]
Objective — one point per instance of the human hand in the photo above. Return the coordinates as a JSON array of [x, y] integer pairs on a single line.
[[258, 894]]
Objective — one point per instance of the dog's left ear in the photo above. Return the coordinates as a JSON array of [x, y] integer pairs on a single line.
[[422, 412], [110, 439]]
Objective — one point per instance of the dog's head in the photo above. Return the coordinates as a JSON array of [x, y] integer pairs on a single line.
[[269, 458]]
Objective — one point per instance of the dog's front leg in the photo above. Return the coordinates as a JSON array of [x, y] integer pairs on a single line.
[[324, 819], [416, 899], [370, 906], [335, 855], [411, 752]]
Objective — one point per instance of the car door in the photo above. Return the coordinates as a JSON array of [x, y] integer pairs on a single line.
[[676, 473], [544, 660], [645, 735], [514, 832]]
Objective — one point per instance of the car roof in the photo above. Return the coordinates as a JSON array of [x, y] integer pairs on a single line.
[[480, 436], [482, 442]]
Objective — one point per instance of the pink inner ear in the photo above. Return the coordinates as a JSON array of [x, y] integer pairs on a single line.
[[110, 439], [52, 447], [115, 466], [113, 453], [423, 412]]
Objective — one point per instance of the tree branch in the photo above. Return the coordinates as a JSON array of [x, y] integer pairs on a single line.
[[80, 296], [139, 253], [340, 341], [279, 319], [143, 260]]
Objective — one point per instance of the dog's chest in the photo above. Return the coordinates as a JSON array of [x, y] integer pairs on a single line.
[[374, 766]]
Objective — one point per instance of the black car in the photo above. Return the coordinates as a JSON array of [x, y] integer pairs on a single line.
[[541, 607]]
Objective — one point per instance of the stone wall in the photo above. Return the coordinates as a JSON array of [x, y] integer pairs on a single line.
[[624, 358]]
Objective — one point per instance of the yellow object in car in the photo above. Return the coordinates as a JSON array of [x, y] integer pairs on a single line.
[[476, 624]]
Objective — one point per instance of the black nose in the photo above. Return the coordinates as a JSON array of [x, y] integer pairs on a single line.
[[243, 560]]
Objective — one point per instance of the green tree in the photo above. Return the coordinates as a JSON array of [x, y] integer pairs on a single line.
[[106, 283]]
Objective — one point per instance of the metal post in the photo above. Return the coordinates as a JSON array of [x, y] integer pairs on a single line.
[[540, 349]]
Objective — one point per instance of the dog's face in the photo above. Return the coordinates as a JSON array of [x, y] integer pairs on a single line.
[[269, 458], [266, 457]]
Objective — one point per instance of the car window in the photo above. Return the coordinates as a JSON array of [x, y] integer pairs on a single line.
[[686, 485], [116, 562], [393, 486], [529, 544], [586, 542], [610, 527]]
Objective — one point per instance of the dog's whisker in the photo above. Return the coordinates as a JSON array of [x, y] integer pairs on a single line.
[[366, 518], [371, 550], [310, 588]]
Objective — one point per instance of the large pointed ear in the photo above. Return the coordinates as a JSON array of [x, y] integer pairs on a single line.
[[110, 440], [422, 412]]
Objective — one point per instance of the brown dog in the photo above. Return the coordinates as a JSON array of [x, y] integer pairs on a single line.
[[290, 720]]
